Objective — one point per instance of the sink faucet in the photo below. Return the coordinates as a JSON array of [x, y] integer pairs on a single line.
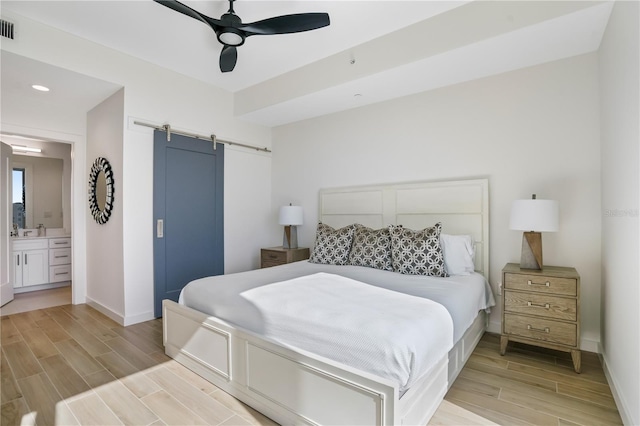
[[26, 233]]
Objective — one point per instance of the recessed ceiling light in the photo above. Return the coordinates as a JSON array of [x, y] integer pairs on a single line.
[[357, 95], [40, 88]]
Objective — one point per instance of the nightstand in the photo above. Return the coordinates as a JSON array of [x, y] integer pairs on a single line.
[[274, 256], [542, 308]]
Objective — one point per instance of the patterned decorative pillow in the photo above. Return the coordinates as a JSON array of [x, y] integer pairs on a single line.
[[417, 252], [371, 248], [332, 245]]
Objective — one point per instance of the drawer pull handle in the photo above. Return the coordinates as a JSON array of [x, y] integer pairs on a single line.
[[61, 243], [536, 305], [59, 257], [273, 256], [544, 330], [546, 284], [62, 273]]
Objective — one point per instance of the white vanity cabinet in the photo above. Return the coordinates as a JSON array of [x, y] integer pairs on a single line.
[[30, 262], [59, 260], [41, 263]]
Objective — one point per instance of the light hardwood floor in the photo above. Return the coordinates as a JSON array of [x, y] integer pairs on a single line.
[[530, 385], [72, 365]]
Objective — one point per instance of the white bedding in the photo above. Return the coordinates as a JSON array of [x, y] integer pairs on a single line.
[[389, 334], [233, 298]]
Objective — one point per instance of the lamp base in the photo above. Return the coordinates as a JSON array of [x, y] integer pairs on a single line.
[[531, 257], [290, 237]]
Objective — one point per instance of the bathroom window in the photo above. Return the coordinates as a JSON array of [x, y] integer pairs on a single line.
[[19, 202]]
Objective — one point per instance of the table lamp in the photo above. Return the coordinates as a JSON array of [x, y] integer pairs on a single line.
[[290, 217], [534, 217]]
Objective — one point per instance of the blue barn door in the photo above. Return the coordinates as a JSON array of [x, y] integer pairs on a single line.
[[188, 213]]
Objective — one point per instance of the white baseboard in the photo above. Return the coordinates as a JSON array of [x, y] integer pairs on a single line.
[[590, 345], [135, 319], [623, 407], [119, 318]]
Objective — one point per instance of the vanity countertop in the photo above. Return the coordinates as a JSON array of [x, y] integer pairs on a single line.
[[39, 238], [50, 233]]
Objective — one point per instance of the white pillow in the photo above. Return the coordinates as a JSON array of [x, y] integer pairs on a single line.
[[458, 252]]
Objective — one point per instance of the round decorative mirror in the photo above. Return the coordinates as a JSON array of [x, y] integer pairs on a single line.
[[101, 190]]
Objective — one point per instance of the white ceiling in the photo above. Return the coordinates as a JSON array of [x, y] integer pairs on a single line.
[[377, 50]]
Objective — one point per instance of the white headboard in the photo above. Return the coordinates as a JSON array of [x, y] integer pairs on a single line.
[[462, 206]]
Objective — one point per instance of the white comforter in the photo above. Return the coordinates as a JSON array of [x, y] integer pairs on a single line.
[[233, 298], [383, 332]]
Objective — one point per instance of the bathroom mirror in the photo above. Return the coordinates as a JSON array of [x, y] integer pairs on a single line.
[[37, 193], [101, 190]]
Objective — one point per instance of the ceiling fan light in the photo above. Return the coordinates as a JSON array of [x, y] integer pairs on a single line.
[[230, 38]]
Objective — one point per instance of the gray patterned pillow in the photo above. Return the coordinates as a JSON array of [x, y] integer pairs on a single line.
[[371, 248], [417, 252], [332, 245]]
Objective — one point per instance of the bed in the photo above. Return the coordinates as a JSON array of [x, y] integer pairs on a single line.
[[297, 384]]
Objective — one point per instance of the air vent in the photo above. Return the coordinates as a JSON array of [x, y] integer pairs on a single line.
[[6, 29]]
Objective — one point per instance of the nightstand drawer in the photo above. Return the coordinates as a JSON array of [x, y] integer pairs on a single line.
[[541, 305], [540, 329], [541, 284], [275, 257]]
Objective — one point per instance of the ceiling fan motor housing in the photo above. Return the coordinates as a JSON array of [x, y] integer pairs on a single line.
[[230, 35]]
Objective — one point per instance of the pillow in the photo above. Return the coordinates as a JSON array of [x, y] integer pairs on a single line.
[[458, 252], [332, 245], [417, 252], [371, 248]]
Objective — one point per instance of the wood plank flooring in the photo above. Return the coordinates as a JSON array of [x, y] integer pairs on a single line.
[[71, 365], [533, 386]]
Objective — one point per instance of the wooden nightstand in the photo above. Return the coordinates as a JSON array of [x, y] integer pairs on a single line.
[[274, 256], [542, 308]]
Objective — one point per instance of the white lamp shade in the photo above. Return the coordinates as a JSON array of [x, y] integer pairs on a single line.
[[534, 215], [290, 215]]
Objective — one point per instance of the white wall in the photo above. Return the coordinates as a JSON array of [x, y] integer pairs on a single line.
[[529, 131], [105, 260], [619, 73], [156, 95]]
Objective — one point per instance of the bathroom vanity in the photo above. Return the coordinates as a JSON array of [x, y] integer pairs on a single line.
[[40, 263]]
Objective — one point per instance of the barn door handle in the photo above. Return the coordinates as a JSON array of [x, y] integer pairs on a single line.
[[160, 228]]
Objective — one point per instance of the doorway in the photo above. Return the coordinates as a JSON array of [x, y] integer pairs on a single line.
[[39, 191], [188, 197]]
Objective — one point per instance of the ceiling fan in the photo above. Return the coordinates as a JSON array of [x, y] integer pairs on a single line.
[[231, 32]]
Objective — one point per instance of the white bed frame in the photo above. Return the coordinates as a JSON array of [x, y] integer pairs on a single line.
[[292, 386]]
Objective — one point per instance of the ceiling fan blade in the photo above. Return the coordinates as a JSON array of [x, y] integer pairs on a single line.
[[186, 10], [228, 58], [286, 24]]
